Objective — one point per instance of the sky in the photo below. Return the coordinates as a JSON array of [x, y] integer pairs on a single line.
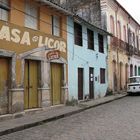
[[133, 8]]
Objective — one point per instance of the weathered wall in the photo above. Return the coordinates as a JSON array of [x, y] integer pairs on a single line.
[[11, 49], [87, 9], [84, 58], [110, 8]]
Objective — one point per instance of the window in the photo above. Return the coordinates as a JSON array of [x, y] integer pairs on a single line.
[[138, 42], [101, 43], [112, 25], [56, 25], [90, 36], [135, 70], [119, 30], [78, 34], [102, 76], [134, 39], [124, 32], [131, 70], [31, 11], [4, 10]]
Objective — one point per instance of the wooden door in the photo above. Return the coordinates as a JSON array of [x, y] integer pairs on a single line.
[[80, 83], [4, 85], [91, 83], [56, 83], [31, 84]]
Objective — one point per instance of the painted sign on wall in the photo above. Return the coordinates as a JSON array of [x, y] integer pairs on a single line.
[[24, 39], [51, 55]]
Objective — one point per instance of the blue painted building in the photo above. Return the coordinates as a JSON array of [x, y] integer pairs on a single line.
[[87, 60]]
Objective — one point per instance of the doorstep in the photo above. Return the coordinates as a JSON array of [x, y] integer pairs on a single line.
[[20, 114], [6, 117]]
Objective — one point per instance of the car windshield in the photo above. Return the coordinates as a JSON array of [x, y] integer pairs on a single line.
[[134, 80]]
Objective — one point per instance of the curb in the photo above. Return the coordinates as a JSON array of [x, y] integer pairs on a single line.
[[33, 124]]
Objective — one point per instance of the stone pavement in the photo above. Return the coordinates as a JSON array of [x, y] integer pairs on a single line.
[[31, 119]]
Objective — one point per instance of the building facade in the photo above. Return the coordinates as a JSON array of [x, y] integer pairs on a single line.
[[89, 10], [123, 53], [123, 56], [32, 73], [87, 60]]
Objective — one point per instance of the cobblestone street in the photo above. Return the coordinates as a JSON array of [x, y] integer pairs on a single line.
[[118, 120]]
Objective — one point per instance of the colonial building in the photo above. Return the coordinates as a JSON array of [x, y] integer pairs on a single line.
[[32, 73], [123, 59], [124, 46], [87, 60]]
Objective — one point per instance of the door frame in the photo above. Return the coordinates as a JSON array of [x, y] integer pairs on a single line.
[[10, 75], [62, 82], [82, 82], [38, 79], [91, 95]]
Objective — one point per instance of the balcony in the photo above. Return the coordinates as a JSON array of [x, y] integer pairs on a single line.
[[117, 43], [124, 46], [114, 42]]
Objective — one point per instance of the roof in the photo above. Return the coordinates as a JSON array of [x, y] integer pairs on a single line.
[[100, 30], [126, 11], [55, 5]]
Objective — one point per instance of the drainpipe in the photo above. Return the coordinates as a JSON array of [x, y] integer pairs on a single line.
[[116, 13]]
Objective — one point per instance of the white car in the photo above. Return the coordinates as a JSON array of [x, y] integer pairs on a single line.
[[133, 85]]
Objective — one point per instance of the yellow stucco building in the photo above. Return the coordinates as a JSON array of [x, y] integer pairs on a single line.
[[29, 32]]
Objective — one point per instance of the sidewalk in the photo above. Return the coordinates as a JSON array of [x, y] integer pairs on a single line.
[[49, 114]]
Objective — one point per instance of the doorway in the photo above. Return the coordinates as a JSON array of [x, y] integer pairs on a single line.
[[31, 78], [80, 83], [56, 83], [91, 83], [4, 84]]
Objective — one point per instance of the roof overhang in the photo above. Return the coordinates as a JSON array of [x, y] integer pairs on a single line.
[[82, 21], [55, 6], [76, 17]]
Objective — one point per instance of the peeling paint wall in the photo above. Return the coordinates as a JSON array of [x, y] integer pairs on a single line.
[[9, 49], [87, 9]]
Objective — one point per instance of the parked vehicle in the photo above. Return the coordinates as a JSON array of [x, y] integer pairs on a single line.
[[133, 85]]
